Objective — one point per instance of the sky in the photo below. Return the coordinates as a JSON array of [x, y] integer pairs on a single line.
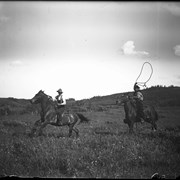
[[87, 48]]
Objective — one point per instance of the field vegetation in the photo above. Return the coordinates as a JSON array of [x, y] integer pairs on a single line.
[[104, 149]]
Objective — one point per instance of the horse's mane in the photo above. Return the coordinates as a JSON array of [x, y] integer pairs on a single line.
[[130, 99], [50, 99]]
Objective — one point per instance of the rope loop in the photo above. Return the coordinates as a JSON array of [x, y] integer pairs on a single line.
[[144, 83]]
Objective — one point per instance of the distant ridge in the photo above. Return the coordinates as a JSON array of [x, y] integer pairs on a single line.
[[158, 96]]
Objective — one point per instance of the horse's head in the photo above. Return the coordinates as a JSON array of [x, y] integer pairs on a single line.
[[122, 99], [126, 97], [38, 97]]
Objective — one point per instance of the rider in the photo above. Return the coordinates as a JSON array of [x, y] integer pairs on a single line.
[[138, 96], [60, 105], [59, 97]]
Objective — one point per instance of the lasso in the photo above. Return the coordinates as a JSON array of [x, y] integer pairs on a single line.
[[144, 83]]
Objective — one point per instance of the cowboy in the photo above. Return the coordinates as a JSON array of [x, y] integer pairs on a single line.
[[59, 98], [138, 96], [60, 105]]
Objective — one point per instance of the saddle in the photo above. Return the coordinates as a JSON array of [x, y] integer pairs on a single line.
[[61, 112], [138, 116]]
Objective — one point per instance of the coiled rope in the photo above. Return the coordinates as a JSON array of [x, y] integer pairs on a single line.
[[144, 83]]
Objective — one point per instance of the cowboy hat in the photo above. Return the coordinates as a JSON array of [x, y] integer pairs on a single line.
[[59, 90]]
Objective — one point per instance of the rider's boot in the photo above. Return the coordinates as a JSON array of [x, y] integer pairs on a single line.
[[58, 118]]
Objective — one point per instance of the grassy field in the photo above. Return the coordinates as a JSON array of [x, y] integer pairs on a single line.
[[104, 149]]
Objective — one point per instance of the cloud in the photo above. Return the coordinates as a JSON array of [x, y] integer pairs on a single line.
[[173, 8], [177, 50], [129, 49], [16, 63], [3, 17]]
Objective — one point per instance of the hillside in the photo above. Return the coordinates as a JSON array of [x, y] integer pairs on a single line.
[[158, 96], [15, 106]]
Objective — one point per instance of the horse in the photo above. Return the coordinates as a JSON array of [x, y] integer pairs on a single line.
[[49, 115], [151, 115]]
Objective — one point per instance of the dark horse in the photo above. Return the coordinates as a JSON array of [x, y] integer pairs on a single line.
[[49, 115], [150, 113]]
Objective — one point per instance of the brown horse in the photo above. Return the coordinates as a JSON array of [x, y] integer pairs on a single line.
[[49, 115], [150, 113]]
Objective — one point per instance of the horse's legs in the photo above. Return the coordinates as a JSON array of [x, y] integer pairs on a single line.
[[131, 124], [76, 131], [136, 126], [154, 126], [34, 129], [70, 130], [43, 125], [72, 127]]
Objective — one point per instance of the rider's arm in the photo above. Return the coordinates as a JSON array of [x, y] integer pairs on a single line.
[[139, 96], [135, 97], [57, 97]]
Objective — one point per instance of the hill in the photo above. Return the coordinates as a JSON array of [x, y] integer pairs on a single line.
[[15, 106], [158, 96]]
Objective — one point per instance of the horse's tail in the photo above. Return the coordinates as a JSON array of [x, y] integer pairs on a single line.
[[82, 118]]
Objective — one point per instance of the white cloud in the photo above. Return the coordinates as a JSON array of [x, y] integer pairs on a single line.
[[16, 63], [129, 49], [173, 8], [177, 50], [3, 18]]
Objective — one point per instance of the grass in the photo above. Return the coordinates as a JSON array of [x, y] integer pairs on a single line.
[[104, 149]]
